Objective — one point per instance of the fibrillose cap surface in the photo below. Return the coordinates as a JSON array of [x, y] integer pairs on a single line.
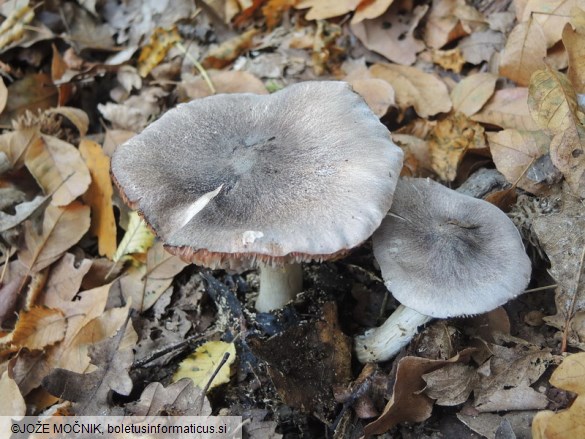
[[305, 173], [445, 254]]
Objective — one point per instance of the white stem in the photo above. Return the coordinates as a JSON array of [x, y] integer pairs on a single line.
[[278, 286], [382, 343]]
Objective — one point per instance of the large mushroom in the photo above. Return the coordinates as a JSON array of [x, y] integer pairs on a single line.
[[442, 254], [237, 180]]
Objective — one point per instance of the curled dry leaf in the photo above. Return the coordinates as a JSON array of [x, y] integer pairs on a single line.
[[62, 228], [570, 375], [574, 42], [3, 95], [473, 92], [508, 108], [15, 144], [99, 197], [408, 403], [524, 52], [450, 140], [451, 385], [515, 151], [58, 168], [424, 91], [77, 117], [38, 327], [391, 35]]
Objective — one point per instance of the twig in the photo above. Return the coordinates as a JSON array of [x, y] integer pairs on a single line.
[[199, 67]]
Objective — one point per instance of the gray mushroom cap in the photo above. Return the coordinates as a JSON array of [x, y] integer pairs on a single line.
[[305, 173], [445, 254]]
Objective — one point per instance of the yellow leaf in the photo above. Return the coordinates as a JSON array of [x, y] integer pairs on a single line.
[[63, 227], [58, 168], [449, 141], [99, 197], [203, 363], [524, 52], [473, 92], [570, 375], [138, 238], [39, 327], [424, 91], [157, 48]]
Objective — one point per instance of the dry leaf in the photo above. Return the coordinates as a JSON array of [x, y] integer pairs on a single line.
[[480, 46], [3, 95], [449, 141], [552, 15], [181, 398], [76, 116], [451, 385], [63, 227], [515, 151], [322, 9], [146, 283], [203, 363], [424, 91], [12, 403], [15, 144], [22, 212], [33, 92], [408, 403], [391, 34], [451, 59], [553, 105], [38, 327], [574, 41], [560, 235], [473, 92], [378, 94], [228, 51], [274, 10], [58, 168], [229, 81], [443, 24], [524, 52], [152, 53], [371, 9], [570, 375], [508, 108], [99, 197]]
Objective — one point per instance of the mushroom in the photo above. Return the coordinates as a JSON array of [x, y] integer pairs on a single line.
[[240, 180], [442, 254]]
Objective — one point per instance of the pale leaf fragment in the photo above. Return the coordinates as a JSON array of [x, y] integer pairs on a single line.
[[370, 10], [473, 92], [99, 197], [323, 9], [480, 46], [58, 168], [12, 404], [378, 94], [62, 228], [524, 52], [424, 91]]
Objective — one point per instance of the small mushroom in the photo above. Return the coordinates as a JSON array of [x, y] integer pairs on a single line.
[[240, 180], [442, 254]]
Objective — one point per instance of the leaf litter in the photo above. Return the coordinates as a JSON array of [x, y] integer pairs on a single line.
[[462, 86]]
